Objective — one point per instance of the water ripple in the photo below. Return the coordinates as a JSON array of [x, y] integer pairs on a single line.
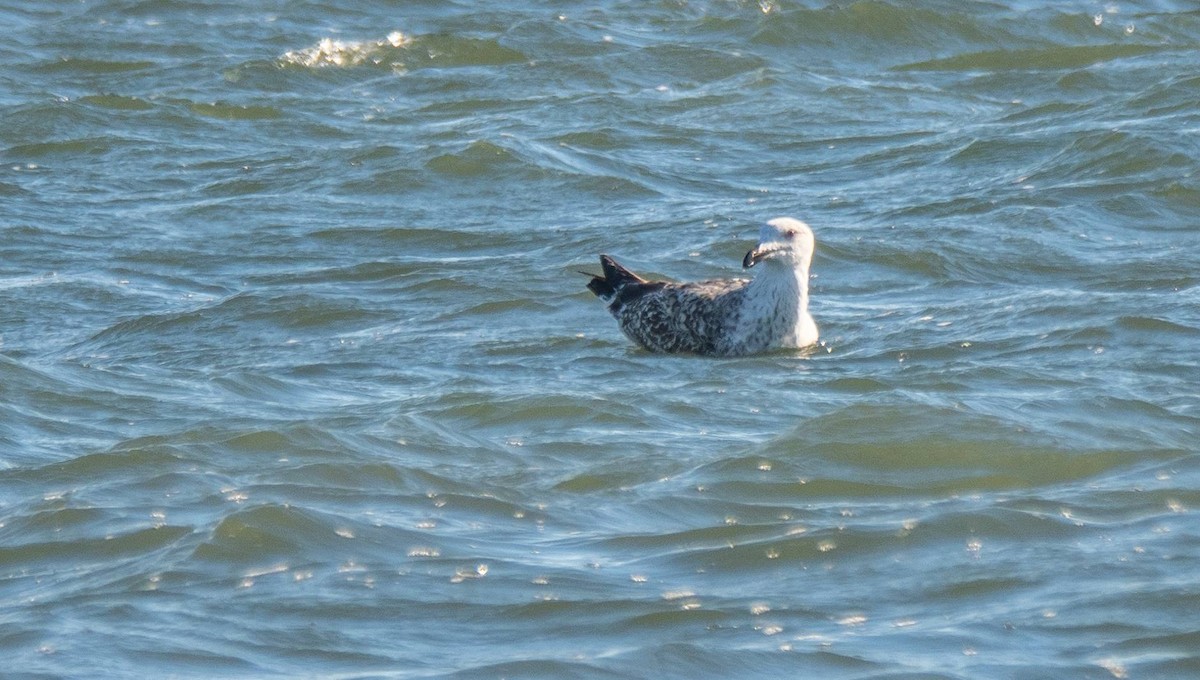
[[298, 375]]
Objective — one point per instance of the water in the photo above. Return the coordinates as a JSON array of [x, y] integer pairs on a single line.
[[298, 377]]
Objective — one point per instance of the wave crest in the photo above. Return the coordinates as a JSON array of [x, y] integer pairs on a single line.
[[330, 52]]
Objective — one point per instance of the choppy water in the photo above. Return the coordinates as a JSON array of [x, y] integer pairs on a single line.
[[298, 377]]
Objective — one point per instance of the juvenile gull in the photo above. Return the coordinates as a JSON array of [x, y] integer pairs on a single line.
[[722, 317]]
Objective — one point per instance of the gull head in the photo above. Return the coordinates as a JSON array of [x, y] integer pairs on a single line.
[[783, 241]]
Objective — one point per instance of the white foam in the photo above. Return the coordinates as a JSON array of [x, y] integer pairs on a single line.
[[330, 52]]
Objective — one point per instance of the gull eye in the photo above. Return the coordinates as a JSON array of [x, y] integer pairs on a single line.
[[790, 234]]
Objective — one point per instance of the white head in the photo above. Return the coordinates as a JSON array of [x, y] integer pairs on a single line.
[[783, 241]]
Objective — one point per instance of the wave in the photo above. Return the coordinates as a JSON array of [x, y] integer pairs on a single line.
[[400, 53], [1049, 58]]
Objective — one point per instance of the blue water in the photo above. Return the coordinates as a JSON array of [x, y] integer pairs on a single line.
[[298, 376]]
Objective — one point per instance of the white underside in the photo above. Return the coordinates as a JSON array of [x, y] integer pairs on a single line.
[[774, 312]]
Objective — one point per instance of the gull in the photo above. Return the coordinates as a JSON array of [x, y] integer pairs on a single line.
[[721, 317]]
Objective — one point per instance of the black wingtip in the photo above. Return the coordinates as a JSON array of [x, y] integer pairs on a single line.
[[602, 285], [600, 288], [599, 284], [616, 281], [616, 275]]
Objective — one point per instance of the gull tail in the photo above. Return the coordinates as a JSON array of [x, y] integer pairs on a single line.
[[615, 277], [619, 286]]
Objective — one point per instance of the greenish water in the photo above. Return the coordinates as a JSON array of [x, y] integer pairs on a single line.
[[298, 377]]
